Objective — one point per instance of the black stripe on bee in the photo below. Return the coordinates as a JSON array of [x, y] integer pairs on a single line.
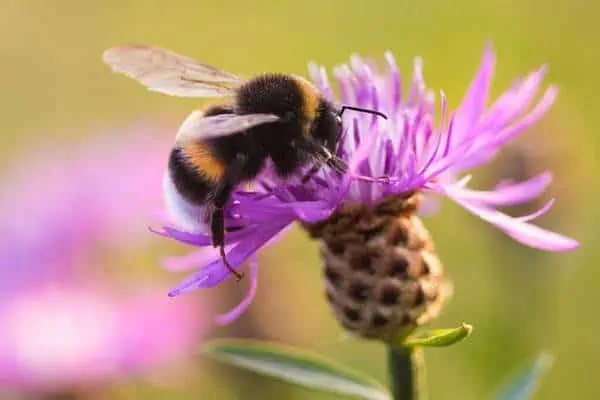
[[189, 182]]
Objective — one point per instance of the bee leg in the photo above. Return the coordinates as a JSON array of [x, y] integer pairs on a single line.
[[317, 149], [217, 227], [222, 193], [315, 168], [337, 164]]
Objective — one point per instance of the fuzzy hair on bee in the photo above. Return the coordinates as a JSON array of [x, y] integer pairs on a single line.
[[277, 117]]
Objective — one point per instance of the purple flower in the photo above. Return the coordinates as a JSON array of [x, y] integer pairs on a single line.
[[72, 333], [64, 211], [415, 152]]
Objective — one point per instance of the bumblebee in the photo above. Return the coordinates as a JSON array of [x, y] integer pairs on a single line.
[[279, 117]]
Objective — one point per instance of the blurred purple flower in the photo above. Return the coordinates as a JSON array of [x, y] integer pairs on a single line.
[[416, 153], [62, 213], [69, 334]]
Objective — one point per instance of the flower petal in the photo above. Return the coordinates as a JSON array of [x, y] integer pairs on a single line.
[[532, 117], [521, 231], [505, 195], [513, 102], [476, 97], [482, 148], [238, 310], [214, 273], [538, 213], [394, 82], [192, 260], [200, 239], [195, 239], [311, 215]]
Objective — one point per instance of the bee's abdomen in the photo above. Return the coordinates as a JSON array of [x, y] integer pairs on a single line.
[[190, 181]]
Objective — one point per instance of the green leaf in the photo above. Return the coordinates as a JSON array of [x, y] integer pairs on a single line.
[[523, 384], [438, 338], [295, 366]]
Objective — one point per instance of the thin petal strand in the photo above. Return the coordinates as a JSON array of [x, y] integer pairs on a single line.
[[505, 195], [475, 100], [214, 273], [238, 310], [521, 231], [195, 259], [538, 213]]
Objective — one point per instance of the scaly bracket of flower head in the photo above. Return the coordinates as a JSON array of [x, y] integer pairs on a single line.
[[382, 275]]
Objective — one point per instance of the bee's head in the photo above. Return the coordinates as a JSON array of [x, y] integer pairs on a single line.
[[327, 126]]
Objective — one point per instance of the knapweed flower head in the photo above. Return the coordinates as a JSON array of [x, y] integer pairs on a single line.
[[67, 210], [415, 149]]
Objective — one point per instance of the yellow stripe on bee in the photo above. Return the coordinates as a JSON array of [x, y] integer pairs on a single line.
[[204, 161], [310, 102], [207, 107]]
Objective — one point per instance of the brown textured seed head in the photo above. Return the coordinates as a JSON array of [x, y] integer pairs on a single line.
[[383, 278]]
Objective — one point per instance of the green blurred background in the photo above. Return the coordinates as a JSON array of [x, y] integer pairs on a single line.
[[520, 300]]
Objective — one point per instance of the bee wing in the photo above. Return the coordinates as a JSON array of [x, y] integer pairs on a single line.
[[197, 126], [170, 73]]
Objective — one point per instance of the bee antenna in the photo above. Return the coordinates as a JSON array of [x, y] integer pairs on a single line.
[[365, 110]]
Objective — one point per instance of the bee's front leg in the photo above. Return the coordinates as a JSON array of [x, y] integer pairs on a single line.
[[312, 171], [323, 155]]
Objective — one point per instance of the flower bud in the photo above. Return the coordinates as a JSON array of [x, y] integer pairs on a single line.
[[382, 275]]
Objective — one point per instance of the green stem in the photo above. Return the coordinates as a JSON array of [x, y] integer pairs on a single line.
[[407, 373]]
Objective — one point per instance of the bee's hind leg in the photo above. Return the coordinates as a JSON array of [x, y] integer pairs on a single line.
[[217, 228], [222, 193]]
